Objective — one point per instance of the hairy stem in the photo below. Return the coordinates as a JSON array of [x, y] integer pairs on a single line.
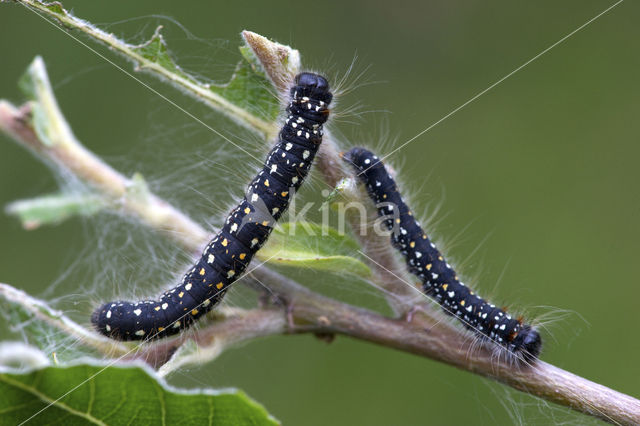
[[389, 271]]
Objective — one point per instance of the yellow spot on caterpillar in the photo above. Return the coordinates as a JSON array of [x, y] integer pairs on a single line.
[[397, 220], [194, 312], [445, 286], [247, 210], [462, 302], [429, 267], [266, 182], [424, 237], [440, 258], [219, 285], [410, 213], [181, 294], [284, 193], [384, 196], [202, 271], [160, 329], [265, 223], [224, 242], [157, 308], [242, 256], [412, 244]]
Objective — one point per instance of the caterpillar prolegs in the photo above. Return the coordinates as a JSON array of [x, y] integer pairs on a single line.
[[425, 261], [245, 230]]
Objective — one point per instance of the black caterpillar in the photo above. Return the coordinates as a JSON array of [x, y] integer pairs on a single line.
[[438, 278], [246, 229]]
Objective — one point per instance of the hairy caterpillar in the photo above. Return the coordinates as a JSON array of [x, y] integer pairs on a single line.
[[245, 230], [425, 261]]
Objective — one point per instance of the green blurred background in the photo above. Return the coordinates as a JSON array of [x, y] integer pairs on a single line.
[[542, 171]]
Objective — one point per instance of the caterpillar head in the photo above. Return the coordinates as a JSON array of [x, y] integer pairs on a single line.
[[313, 86]]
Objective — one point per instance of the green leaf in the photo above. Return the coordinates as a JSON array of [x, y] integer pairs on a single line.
[[46, 117], [309, 245], [54, 209], [248, 98], [156, 52], [118, 396], [343, 186], [250, 89], [51, 330]]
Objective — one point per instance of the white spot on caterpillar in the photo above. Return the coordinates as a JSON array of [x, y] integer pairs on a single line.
[[165, 306], [305, 154], [176, 324], [188, 287], [137, 312], [140, 333], [274, 168], [109, 314], [254, 242], [418, 255], [206, 302], [294, 179], [211, 258], [107, 327], [287, 147], [451, 293], [231, 273], [234, 227], [254, 198]]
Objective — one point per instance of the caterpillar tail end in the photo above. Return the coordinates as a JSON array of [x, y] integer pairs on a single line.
[[107, 319], [98, 320], [529, 344]]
